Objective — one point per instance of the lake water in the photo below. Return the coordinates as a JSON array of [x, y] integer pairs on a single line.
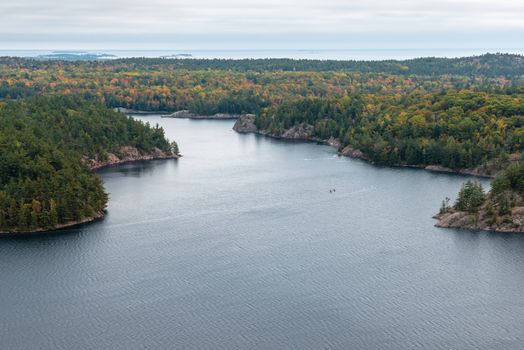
[[240, 245]]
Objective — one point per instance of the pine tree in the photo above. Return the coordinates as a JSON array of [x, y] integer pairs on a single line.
[[470, 197]]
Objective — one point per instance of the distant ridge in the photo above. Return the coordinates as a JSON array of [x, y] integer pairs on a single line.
[[489, 64]]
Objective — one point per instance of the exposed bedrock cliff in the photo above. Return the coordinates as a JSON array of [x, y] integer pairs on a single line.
[[127, 154]]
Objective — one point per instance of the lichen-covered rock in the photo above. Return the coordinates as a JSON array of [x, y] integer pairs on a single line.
[[245, 124], [482, 220], [349, 151], [301, 131], [333, 142], [456, 219]]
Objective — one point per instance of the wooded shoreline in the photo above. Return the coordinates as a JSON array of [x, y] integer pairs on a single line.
[[245, 124], [98, 215], [95, 217]]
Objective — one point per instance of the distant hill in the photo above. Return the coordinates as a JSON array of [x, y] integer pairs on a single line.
[[486, 65], [490, 64]]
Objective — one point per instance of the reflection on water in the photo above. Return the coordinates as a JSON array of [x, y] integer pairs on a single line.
[[137, 169], [240, 244]]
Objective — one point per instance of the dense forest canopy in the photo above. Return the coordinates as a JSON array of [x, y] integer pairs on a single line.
[[43, 180], [236, 86]]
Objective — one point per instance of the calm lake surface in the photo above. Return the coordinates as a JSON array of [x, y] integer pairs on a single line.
[[240, 245]]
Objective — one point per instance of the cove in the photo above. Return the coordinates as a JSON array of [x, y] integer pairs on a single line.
[[240, 245]]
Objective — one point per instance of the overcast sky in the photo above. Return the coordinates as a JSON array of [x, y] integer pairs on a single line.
[[262, 24]]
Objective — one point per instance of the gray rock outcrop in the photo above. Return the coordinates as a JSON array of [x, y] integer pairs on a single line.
[[301, 131], [245, 124], [351, 152], [514, 222]]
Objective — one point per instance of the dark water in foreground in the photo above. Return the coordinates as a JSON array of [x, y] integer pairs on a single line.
[[240, 245]]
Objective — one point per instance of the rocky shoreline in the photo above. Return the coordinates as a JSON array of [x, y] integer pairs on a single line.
[[304, 132], [127, 154], [185, 114], [513, 223]]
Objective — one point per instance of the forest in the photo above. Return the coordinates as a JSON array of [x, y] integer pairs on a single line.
[[237, 86], [43, 181]]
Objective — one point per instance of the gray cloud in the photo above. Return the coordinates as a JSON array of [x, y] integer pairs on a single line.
[[169, 21]]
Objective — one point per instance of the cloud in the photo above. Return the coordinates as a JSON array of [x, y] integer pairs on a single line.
[[52, 19]]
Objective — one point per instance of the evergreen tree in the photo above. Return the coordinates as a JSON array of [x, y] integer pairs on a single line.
[[470, 197]]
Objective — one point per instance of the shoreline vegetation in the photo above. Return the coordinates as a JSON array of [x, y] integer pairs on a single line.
[[68, 225], [246, 124], [51, 148], [499, 210]]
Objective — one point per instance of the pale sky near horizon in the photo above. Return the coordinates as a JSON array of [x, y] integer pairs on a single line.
[[252, 24]]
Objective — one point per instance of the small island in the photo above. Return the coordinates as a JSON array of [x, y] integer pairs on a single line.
[[75, 56], [50, 147], [499, 210]]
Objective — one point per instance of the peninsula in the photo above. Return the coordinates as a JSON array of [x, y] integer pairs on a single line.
[[499, 210], [50, 147]]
